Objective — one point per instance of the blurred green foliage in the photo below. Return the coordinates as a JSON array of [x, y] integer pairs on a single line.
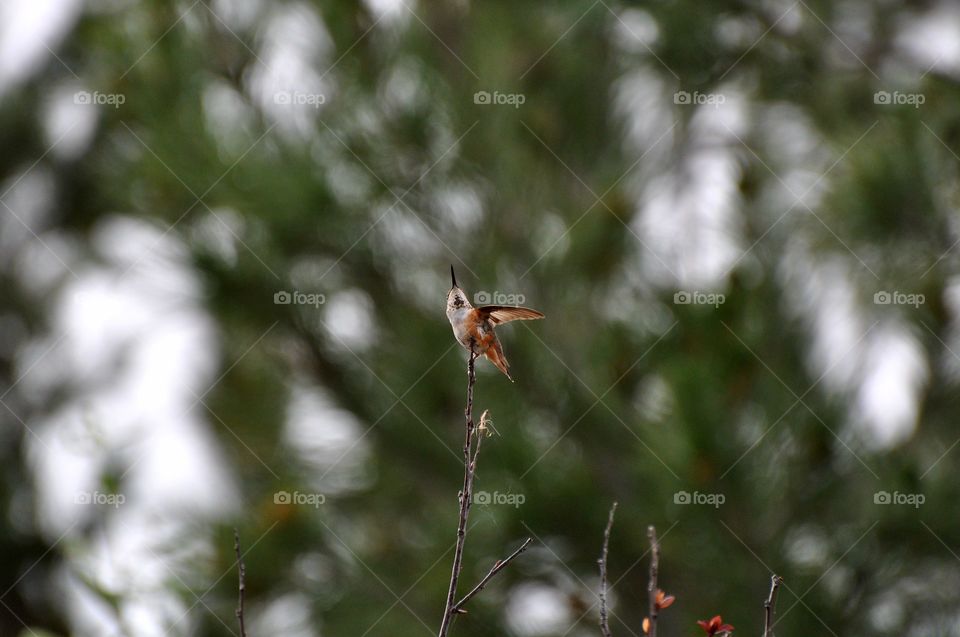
[[621, 394]]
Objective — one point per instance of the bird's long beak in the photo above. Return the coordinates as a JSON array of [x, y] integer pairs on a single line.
[[453, 277]]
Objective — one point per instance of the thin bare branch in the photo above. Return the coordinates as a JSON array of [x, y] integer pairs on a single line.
[[604, 623], [652, 585], [466, 497], [496, 568], [242, 577], [769, 605]]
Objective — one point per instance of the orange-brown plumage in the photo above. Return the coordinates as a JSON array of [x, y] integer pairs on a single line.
[[480, 331], [473, 326]]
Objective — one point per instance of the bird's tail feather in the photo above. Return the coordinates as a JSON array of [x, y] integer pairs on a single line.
[[495, 355]]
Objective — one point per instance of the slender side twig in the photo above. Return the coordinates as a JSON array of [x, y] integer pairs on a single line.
[[652, 586], [466, 495], [496, 568], [242, 576], [769, 605], [604, 623], [479, 435]]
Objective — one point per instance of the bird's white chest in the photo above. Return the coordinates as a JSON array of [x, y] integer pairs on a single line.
[[460, 322]]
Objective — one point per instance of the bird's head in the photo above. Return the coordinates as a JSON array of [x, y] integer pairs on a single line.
[[456, 298]]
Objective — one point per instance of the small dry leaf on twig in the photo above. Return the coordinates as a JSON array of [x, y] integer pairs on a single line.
[[485, 426]]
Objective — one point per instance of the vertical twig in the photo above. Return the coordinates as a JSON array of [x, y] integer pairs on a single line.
[[769, 605], [242, 576], [466, 495], [604, 624], [652, 586]]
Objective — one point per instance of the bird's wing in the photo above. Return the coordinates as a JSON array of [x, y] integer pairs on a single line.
[[505, 313]]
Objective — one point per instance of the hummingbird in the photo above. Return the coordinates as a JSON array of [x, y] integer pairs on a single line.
[[473, 326]]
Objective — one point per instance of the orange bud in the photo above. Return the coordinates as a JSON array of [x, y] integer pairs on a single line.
[[663, 600]]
